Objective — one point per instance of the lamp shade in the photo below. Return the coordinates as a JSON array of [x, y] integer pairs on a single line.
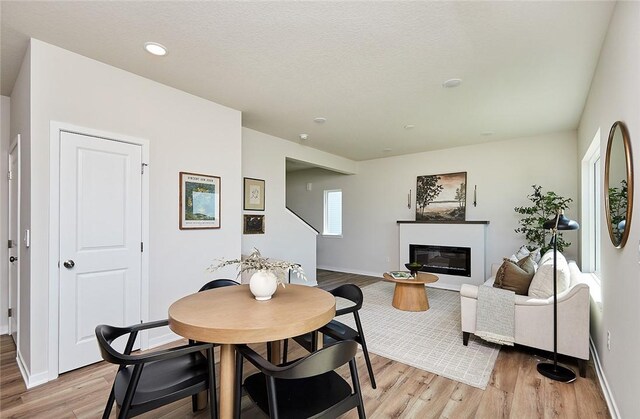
[[563, 223]]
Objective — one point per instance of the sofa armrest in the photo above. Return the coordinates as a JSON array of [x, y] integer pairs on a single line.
[[469, 291]]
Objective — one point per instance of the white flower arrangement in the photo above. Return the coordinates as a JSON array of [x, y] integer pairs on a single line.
[[256, 262]]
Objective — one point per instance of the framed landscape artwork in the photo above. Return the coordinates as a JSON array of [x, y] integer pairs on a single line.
[[253, 224], [253, 194], [441, 197], [199, 201]]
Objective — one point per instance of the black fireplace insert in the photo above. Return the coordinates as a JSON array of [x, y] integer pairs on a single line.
[[442, 259]]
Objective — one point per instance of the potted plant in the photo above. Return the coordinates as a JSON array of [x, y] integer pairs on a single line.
[[544, 207], [264, 281]]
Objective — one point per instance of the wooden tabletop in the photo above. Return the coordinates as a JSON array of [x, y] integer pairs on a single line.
[[422, 278], [232, 315]]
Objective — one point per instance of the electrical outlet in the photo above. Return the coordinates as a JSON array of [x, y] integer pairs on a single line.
[[608, 340], [388, 259]]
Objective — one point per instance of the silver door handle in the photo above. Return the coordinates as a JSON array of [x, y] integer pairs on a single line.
[[69, 264]]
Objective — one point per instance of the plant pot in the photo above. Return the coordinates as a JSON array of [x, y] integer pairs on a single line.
[[263, 285]]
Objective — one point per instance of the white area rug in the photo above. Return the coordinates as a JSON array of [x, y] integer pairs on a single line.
[[430, 340]]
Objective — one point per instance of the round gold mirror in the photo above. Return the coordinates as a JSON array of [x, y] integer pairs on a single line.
[[618, 184]]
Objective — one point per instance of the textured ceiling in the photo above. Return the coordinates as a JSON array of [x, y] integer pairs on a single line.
[[370, 68]]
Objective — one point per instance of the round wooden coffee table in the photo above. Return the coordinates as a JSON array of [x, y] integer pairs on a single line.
[[411, 294]]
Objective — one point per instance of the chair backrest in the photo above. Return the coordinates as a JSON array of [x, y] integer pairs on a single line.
[[326, 359], [218, 283], [105, 335], [350, 292]]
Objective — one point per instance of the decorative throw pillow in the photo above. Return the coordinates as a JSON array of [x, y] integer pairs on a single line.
[[542, 282], [524, 252], [515, 277]]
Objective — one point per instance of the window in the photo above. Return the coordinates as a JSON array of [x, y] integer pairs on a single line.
[[597, 210], [333, 213], [592, 196]]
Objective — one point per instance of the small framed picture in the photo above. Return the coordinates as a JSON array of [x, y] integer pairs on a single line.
[[253, 224], [253, 194], [199, 201]]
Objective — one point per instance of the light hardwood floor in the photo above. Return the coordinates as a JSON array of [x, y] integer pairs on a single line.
[[515, 390]]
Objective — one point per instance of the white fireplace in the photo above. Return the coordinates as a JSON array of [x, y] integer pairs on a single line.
[[469, 234]]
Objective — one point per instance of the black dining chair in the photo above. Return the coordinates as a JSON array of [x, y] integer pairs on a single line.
[[218, 283], [149, 380], [337, 331], [305, 388]]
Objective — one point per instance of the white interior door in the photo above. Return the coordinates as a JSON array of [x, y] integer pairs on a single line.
[[14, 240], [100, 242]]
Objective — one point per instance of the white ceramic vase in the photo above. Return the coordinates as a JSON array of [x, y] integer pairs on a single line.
[[263, 284]]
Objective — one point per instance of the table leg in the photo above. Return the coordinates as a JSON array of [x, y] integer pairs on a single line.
[[410, 297], [276, 352], [227, 380]]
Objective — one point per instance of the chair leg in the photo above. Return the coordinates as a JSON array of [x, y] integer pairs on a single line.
[[238, 392], [213, 403], [368, 362], [271, 395], [194, 403], [465, 338], [131, 389], [363, 343], [356, 388], [109, 406], [285, 350]]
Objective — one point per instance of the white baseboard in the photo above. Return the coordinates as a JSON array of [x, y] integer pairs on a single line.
[[169, 337], [350, 271], [606, 390], [30, 380]]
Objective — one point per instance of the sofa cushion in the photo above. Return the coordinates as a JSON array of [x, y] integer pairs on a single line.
[[524, 252], [516, 277], [542, 282]]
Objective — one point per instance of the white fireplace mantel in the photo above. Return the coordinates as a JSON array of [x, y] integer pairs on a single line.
[[470, 234]]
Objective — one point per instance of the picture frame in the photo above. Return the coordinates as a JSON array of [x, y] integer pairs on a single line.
[[199, 201], [253, 194], [253, 224], [441, 197]]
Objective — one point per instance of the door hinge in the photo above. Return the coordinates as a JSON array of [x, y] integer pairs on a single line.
[[10, 175], [10, 244], [142, 246], [143, 166], [10, 312]]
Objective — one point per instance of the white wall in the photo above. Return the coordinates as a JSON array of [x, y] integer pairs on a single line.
[[615, 96], [5, 141], [21, 124], [186, 133], [375, 198], [286, 237]]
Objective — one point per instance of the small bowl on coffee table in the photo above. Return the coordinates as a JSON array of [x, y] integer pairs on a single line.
[[414, 267]]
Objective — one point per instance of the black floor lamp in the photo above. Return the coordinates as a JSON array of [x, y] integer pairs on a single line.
[[555, 371]]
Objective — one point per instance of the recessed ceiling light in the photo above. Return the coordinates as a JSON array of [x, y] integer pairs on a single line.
[[409, 126], [320, 120], [386, 150], [452, 83], [155, 48], [304, 137], [487, 133]]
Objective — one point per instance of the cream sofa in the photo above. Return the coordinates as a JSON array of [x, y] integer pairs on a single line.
[[534, 317]]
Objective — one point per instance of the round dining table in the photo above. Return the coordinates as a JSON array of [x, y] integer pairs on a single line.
[[231, 315]]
